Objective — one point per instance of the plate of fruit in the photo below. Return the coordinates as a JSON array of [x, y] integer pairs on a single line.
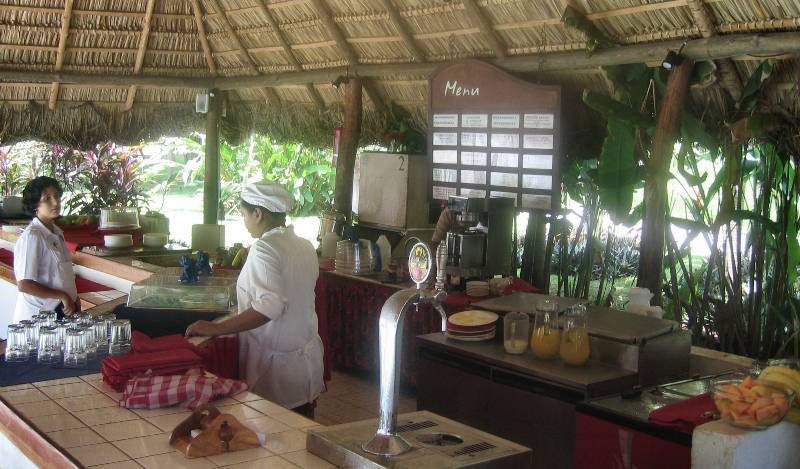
[[751, 403]]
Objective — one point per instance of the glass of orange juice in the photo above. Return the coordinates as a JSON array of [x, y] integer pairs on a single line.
[[546, 336], [574, 348]]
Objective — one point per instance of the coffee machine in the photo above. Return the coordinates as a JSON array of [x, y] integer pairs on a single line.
[[480, 243]]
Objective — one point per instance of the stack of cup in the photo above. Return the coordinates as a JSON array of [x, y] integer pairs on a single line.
[[74, 348], [17, 349], [120, 339], [49, 352]]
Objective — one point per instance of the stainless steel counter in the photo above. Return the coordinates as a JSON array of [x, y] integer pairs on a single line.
[[592, 379]]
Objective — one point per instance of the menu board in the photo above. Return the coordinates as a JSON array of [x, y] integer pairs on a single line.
[[493, 135]]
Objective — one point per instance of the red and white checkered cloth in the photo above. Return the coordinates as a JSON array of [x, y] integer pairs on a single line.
[[189, 390]]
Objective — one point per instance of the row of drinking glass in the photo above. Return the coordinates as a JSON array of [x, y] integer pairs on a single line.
[[72, 341]]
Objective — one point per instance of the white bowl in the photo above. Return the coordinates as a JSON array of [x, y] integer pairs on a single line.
[[154, 240], [118, 240]]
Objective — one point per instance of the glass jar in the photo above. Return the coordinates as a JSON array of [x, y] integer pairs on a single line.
[[574, 348], [546, 335], [515, 332]]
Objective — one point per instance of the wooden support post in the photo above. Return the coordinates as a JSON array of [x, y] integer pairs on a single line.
[[351, 134], [211, 182], [651, 249]]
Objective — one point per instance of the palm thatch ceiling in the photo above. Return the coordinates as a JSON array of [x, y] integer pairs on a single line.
[[81, 71]]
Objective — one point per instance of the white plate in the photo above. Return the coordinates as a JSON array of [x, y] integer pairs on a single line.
[[471, 318], [471, 338]]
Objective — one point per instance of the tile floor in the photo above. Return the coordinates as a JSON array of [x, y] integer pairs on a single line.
[[351, 397]]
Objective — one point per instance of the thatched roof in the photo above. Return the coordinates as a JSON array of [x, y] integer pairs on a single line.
[[214, 42]]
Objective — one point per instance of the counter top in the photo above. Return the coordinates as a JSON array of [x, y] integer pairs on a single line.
[[76, 422], [593, 378]]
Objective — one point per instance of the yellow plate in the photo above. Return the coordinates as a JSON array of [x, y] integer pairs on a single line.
[[473, 317]]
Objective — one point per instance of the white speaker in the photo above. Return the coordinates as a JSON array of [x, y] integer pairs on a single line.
[[201, 103]]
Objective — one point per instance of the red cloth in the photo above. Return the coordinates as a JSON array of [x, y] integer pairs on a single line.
[[348, 311], [83, 285], [603, 444], [685, 415], [190, 390], [7, 257], [220, 355], [117, 370], [141, 343], [460, 299]]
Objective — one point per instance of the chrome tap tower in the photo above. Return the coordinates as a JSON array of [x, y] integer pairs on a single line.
[[386, 441]]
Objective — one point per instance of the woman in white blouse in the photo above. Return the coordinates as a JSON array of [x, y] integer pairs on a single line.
[[42, 261], [280, 352]]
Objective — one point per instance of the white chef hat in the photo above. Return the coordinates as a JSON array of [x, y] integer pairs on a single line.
[[269, 195]]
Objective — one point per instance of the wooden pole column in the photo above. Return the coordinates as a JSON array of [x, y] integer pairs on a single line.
[[651, 249], [351, 134], [211, 182]]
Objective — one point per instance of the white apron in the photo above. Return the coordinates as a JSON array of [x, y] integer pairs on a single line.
[[282, 359]]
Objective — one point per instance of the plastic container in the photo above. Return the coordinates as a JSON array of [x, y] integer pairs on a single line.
[[354, 257], [216, 292], [119, 217]]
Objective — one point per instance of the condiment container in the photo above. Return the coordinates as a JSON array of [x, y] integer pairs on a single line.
[[515, 332]]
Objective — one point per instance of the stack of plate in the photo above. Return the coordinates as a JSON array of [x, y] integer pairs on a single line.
[[473, 325], [477, 288]]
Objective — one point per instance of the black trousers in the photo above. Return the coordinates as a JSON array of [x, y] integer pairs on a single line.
[[306, 410]]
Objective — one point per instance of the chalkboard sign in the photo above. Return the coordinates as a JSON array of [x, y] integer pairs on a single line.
[[493, 135]]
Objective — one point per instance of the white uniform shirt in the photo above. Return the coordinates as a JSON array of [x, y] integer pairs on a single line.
[[281, 360], [42, 256]]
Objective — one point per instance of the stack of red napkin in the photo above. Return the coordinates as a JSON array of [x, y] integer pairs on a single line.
[[117, 370], [685, 415], [220, 355]]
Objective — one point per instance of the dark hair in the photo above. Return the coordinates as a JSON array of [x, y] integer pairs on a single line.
[[32, 193], [278, 218]]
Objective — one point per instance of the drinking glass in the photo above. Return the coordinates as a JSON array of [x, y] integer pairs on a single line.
[[108, 318], [32, 333], [574, 348], [515, 332], [17, 347], [90, 343], [49, 316], [49, 347], [61, 330], [546, 335], [100, 326], [120, 339], [74, 351]]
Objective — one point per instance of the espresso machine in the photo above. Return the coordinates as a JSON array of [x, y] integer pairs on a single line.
[[480, 242]]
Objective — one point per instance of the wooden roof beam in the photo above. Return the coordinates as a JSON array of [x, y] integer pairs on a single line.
[[201, 35], [478, 18], [143, 39], [348, 52], [66, 16], [732, 45], [334, 32], [729, 76], [226, 24], [290, 57], [400, 26], [697, 49]]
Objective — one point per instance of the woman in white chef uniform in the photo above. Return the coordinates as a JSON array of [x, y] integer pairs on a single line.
[[42, 261], [280, 349]]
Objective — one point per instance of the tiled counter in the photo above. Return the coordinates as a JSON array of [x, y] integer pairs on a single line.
[[80, 418]]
